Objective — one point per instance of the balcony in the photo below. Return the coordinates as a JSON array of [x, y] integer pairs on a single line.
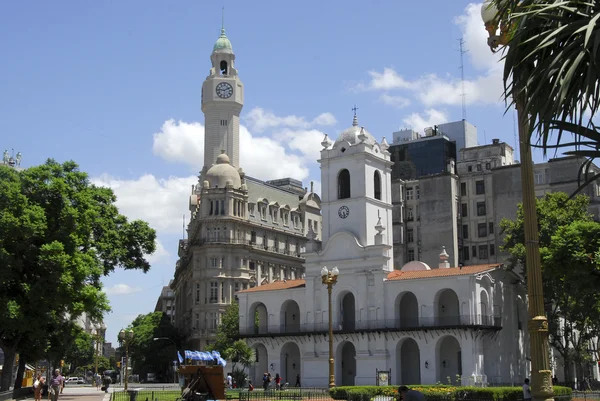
[[231, 241], [483, 322]]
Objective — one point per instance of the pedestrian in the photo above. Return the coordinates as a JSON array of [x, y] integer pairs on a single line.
[[229, 381], [56, 383], [407, 394], [277, 381], [298, 380], [526, 391], [106, 381], [265, 381], [37, 387]]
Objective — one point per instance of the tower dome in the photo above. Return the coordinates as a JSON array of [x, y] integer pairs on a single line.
[[222, 44], [355, 135], [223, 174]]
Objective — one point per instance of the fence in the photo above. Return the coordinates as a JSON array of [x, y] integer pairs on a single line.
[[437, 322]]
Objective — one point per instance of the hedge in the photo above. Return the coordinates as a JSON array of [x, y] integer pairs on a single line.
[[441, 393]]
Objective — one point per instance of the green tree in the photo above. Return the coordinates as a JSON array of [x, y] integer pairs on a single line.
[[242, 353], [59, 235], [569, 242], [149, 355], [229, 329], [552, 66]]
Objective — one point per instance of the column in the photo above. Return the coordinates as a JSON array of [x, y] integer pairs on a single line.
[[230, 296], [219, 291], [270, 272], [258, 268]]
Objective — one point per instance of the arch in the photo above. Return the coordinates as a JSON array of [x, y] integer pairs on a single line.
[[223, 67], [258, 318], [484, 308], [448, 360], [408, 362], [347, 312], [377, 185], [290, 317], [407, 310], [345, 364], [343, 184], [261, 363], [290, 362], [447, 312]]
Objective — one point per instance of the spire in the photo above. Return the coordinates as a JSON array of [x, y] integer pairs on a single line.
[[355, 120], [223, 21], [222, 42]]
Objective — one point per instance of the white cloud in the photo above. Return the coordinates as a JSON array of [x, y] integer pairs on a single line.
[[160, 202], [180, 142], [122, 289], [259, 120], [159, 255], [307, 142], [418, 122], [433, 90]]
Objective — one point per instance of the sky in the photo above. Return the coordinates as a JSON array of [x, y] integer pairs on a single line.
[[115, 86]]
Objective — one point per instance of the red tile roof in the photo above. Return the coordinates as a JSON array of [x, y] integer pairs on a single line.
[[277, 285], [433, 273]]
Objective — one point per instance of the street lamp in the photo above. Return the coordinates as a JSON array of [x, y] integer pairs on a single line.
[[174, 362], [329, 278], [541, 383], [126, 336]]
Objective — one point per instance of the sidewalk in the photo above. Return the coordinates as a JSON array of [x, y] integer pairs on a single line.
[[79, 393]]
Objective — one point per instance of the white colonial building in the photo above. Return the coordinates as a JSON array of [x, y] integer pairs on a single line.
[[425, 324]]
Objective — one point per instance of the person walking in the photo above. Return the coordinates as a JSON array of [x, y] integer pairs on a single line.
[[56, 383], [106, 381], [526, 391], [298, 380], [37, 387], [407, 394]]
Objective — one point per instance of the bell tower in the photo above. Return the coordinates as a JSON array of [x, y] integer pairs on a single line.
[[222, 102]]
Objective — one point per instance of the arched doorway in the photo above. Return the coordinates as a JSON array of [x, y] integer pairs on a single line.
[[484, 314], [261, 364], [408, 362], [345, 364], [448, 310], [348, 312], [258, 318], [408, 310], [290, 317], [290, 363], [449, 360]]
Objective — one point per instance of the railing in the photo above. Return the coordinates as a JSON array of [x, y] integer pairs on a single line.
[[403, 324], [229, 241]]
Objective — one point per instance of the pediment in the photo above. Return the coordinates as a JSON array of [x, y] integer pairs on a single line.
[[342, 245]]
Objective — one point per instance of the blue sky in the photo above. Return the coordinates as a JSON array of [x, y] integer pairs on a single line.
[[115, 86]]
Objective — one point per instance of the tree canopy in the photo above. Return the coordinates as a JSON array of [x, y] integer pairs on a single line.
[[569, 247], [552, 65], [59, 234], [229, 330]]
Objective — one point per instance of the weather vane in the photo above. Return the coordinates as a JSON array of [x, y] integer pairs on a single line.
[[354, 109]]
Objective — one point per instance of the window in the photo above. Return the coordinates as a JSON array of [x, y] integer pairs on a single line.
[[418, 192], [212, 321], [469, 168], [491, 227], [463, 210], [377, 183], [481, 209], [222, 291], [474, 251], [344, 184], [465, 253], [409, 194], [538, 177], [492, 250], [251, 209], [253, 237], [197, 293], [479, 167], [488, 166], [197, 321], [223, 123], [214, 289], [211, 208], [236, 287], [483, 251], [251, 266], [263, 212], [213, 262], [411, 255], [479, 187], [409, 213], [463, 189], [465, 231], [410, 236], [482, 230]]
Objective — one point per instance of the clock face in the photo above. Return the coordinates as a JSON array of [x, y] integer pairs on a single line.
[[343, 212], [224, 90]]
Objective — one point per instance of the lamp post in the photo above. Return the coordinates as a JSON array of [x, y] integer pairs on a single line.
[[174, 362], [541, 375], [329, 278], [126, 336]]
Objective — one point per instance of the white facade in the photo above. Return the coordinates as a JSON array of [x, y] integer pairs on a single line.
[[426, 325]]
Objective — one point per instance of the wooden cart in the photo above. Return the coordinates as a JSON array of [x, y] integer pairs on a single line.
[[203, 379]]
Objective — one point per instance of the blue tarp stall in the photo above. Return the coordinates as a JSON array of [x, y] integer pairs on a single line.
[[208, 358]]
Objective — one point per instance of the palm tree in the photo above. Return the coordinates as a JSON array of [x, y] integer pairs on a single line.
[[552, 64], [241, 353]]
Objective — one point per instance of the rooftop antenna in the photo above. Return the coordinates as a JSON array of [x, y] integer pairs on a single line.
[[223, 18], [461, 42]]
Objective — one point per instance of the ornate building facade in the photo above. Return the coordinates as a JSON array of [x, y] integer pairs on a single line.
[[243, 232]]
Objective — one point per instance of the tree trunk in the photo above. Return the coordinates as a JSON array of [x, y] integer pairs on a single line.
[[20, 372], [7, 369]]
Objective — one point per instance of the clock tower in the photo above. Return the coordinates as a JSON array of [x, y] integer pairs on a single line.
[[222, 102]]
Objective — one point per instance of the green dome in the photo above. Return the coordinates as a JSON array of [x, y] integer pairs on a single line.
[[222, 43]]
